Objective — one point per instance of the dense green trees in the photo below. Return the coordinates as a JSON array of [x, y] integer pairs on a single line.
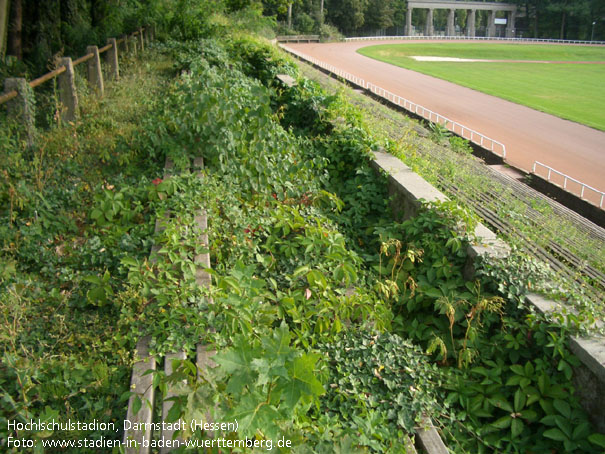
[[564, 19], [39, 31]]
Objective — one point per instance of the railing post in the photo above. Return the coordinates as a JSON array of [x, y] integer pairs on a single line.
[[23, 107], [67, 91], [112, 59], [95, 76]]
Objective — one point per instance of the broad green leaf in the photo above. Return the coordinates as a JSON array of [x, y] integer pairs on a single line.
[[303, 382], [529, 415], [174, 413], [581, 431], [555, 434], [563, 407], [503, 422], [597, 439], [137, 403], [278, 344], [254, 414], [516, 427], [518, 369], [433, 292], [500, 402], [238, 363], [519, 400], [515, 380], [300, 270]]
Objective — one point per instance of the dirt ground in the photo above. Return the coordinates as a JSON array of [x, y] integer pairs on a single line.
[[529, 135]]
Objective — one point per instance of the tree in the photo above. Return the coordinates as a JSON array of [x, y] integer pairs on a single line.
[[567, 9], [347, 15], [379, 14], [4, 15], [15, 43]]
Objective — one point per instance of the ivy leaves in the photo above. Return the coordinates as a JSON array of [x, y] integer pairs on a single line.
[[266, 380], [381, 373]]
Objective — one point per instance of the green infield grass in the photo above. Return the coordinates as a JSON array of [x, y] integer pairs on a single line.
[[572, 91]]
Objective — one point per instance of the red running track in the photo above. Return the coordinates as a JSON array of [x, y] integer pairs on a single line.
[[529, 135]]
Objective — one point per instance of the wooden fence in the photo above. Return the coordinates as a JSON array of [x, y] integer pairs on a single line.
[[298, 38], [18, 94]]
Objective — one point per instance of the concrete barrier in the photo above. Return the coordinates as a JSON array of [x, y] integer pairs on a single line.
[[407, 190]]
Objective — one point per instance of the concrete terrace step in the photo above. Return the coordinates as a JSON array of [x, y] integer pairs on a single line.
[[142, 381]]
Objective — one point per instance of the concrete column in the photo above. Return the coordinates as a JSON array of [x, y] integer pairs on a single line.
[[23, 107], [491, 27], [93, 70], [112, 59], [470, 23], [429, 29], [451, 18], [67, 91], [510, 26], [408, 21]]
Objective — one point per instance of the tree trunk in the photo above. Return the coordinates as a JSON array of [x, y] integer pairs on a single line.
[[289, 15], [562, 35], [15, 41], [4, 16]]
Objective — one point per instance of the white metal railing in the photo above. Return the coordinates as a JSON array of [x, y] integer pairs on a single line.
[[474, 38], [482, 140], [567, 178]]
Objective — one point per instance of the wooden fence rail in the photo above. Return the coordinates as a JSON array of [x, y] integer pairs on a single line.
[[17, 91]]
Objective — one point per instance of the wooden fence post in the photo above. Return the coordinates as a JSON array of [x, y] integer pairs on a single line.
[[112, 59], [124, 39], [23, 107], [141, 39], [95, 75], [67, 91], [133, 44]]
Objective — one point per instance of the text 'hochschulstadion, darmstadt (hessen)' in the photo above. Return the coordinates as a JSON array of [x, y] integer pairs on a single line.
[[36, 433]]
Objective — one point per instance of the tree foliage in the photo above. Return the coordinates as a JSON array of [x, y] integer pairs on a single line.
[[41, 31]]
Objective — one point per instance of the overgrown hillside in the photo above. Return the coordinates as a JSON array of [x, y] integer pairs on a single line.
[[336, 327]]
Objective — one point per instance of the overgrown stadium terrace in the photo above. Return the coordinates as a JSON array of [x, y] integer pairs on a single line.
[[548, 231], [330, 324]]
